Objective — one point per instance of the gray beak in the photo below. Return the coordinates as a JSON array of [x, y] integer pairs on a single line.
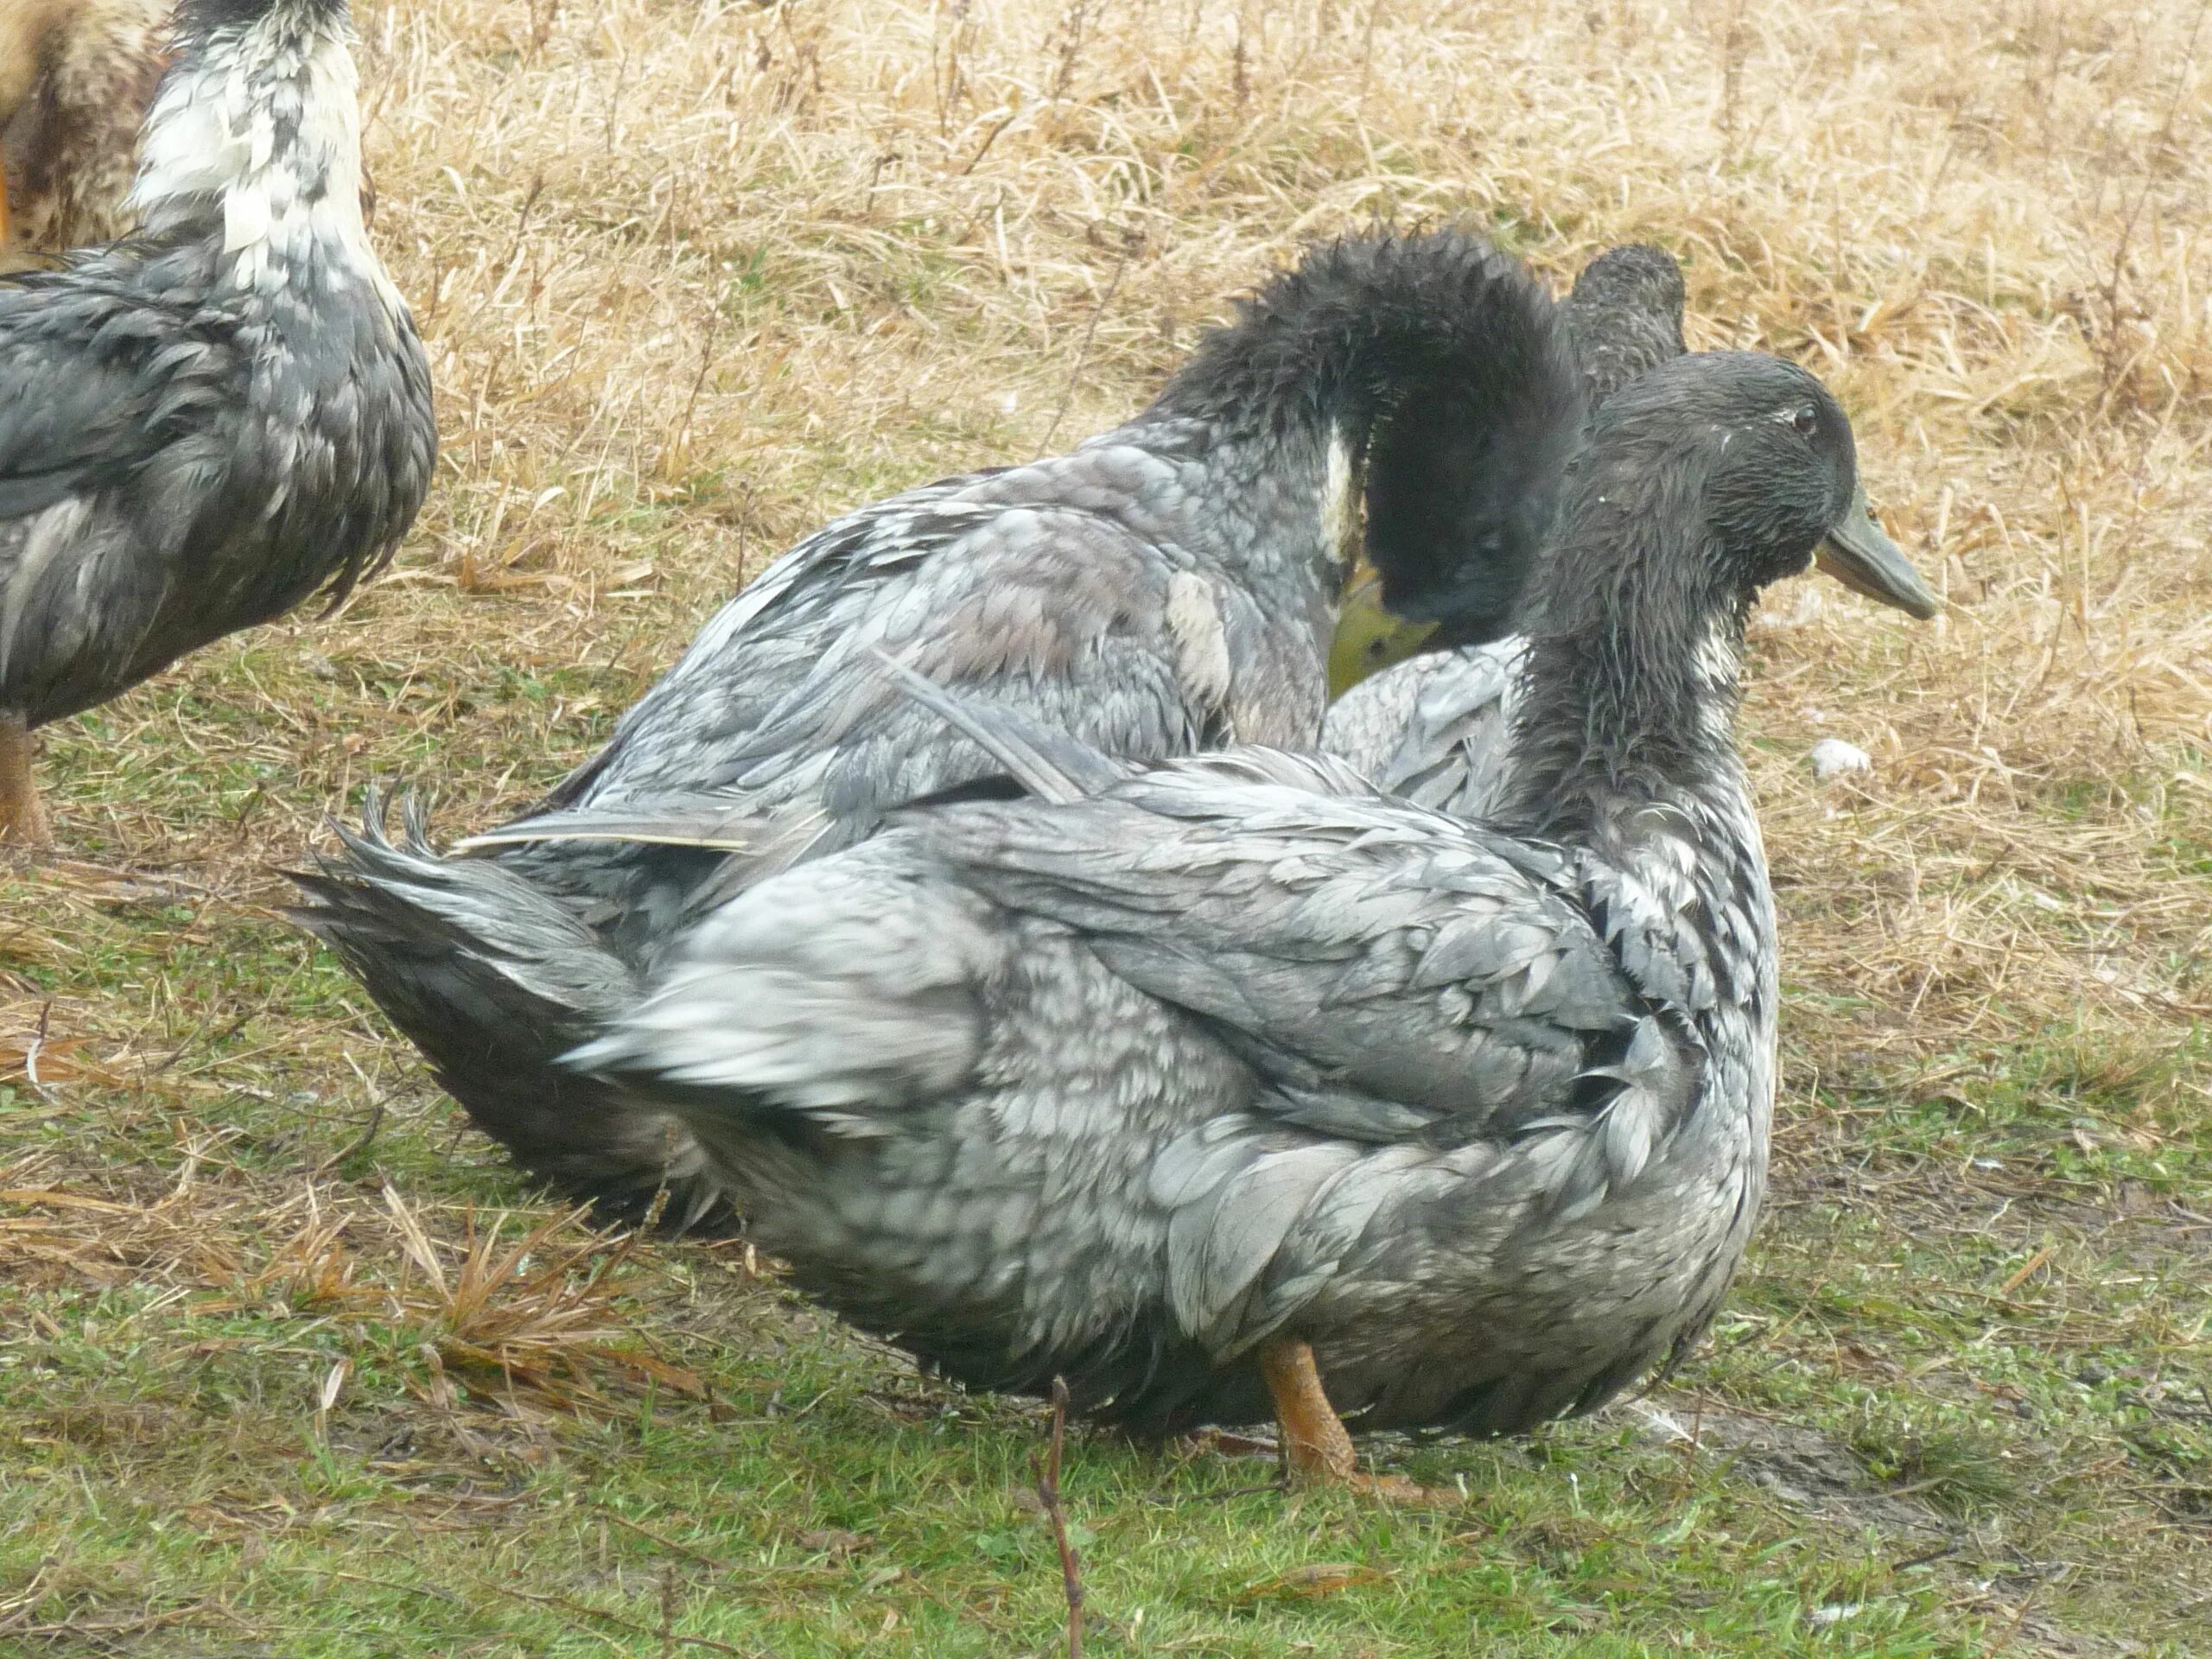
[[1859, 555]]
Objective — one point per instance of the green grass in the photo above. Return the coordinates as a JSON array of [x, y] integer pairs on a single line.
[[1956, 1406], [1960, 1401], [1896, 1454]]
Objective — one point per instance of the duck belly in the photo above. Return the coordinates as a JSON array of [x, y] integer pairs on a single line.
[[1480, 1317]]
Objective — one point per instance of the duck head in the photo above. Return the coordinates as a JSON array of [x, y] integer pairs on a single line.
[[1771, 454], [1759, 485], [1623, 315], [1435, 374], [1702, 482]]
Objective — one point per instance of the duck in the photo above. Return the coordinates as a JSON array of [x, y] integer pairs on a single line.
[[1167, 585], [76, 78], [1229, 1087], [210, 421], [1424, 709]]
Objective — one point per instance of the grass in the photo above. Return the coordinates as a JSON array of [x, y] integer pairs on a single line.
[[289, 1365]]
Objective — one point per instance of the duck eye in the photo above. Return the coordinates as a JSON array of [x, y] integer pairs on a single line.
[[1807, 420]]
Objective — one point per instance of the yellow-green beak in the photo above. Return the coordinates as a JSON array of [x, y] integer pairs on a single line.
[[1370, 638]]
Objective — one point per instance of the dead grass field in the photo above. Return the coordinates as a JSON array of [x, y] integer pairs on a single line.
[[289, 1365]]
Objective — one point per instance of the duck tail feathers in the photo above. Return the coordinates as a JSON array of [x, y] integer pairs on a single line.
[[492, 980]]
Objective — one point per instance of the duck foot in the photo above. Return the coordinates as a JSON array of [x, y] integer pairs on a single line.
[[1316, 1445], [22, 815]]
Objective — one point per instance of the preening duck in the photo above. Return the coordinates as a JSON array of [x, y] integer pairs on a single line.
[[1430, 697], [76, 77], [205, 424], [1230, 1085], [1423, 693], [1167, 586]]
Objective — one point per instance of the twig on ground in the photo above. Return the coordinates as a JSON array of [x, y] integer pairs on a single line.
[[31, 1052], [574, 1609], [361, 1139], [1090, 333], [1922, 1558], [1048, 1494], [667, 1543]]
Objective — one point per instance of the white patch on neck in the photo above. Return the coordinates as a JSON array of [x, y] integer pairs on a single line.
[[267, 121], [1340, 507], [1717, 661]]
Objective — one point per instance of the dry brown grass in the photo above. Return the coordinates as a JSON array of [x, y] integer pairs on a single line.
[[697, 274]]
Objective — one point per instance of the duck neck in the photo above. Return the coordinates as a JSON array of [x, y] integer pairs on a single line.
[[1629, 697], [1427, 373], [255, 137]]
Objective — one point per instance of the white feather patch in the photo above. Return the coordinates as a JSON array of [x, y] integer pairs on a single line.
[[1193, 618]]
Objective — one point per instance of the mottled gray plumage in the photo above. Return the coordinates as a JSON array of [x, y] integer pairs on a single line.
[[1167, 586], [1432, 729], [1624, 316], [206, 424], [1120, 1084]]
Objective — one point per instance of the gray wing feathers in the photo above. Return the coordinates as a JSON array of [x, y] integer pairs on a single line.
[[1045, 606], [94, 382], [1221, 1243], [842, 989], [1578, 1161], [1355, 951], [1433, 729]]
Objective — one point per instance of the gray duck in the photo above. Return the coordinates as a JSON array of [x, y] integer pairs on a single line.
[[1168, 586], [1229, 1086], [209, 421]]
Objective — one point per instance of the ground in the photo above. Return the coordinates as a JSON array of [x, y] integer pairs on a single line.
[[289, 1365]]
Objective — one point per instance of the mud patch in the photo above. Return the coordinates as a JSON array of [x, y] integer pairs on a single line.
[[1801, 1465]]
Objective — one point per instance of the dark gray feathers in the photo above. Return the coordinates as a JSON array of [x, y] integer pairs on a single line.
[[1167, 586], [1187, 1057], [1432, 729], [196, 437]]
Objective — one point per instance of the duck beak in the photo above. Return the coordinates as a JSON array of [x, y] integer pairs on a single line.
[[1370, 637], [1859, 555]]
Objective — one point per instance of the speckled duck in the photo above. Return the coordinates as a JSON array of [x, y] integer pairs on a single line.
[[1166, 587], [1231, 1086], [208, 422]]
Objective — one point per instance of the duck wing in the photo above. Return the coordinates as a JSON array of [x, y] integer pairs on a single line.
[[1391, 974], [95, 382], [1051, 606]]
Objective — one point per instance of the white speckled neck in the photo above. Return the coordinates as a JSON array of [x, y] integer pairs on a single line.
[[264, 121]]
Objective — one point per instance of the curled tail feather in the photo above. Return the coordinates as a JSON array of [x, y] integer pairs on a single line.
[[493, 980]]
